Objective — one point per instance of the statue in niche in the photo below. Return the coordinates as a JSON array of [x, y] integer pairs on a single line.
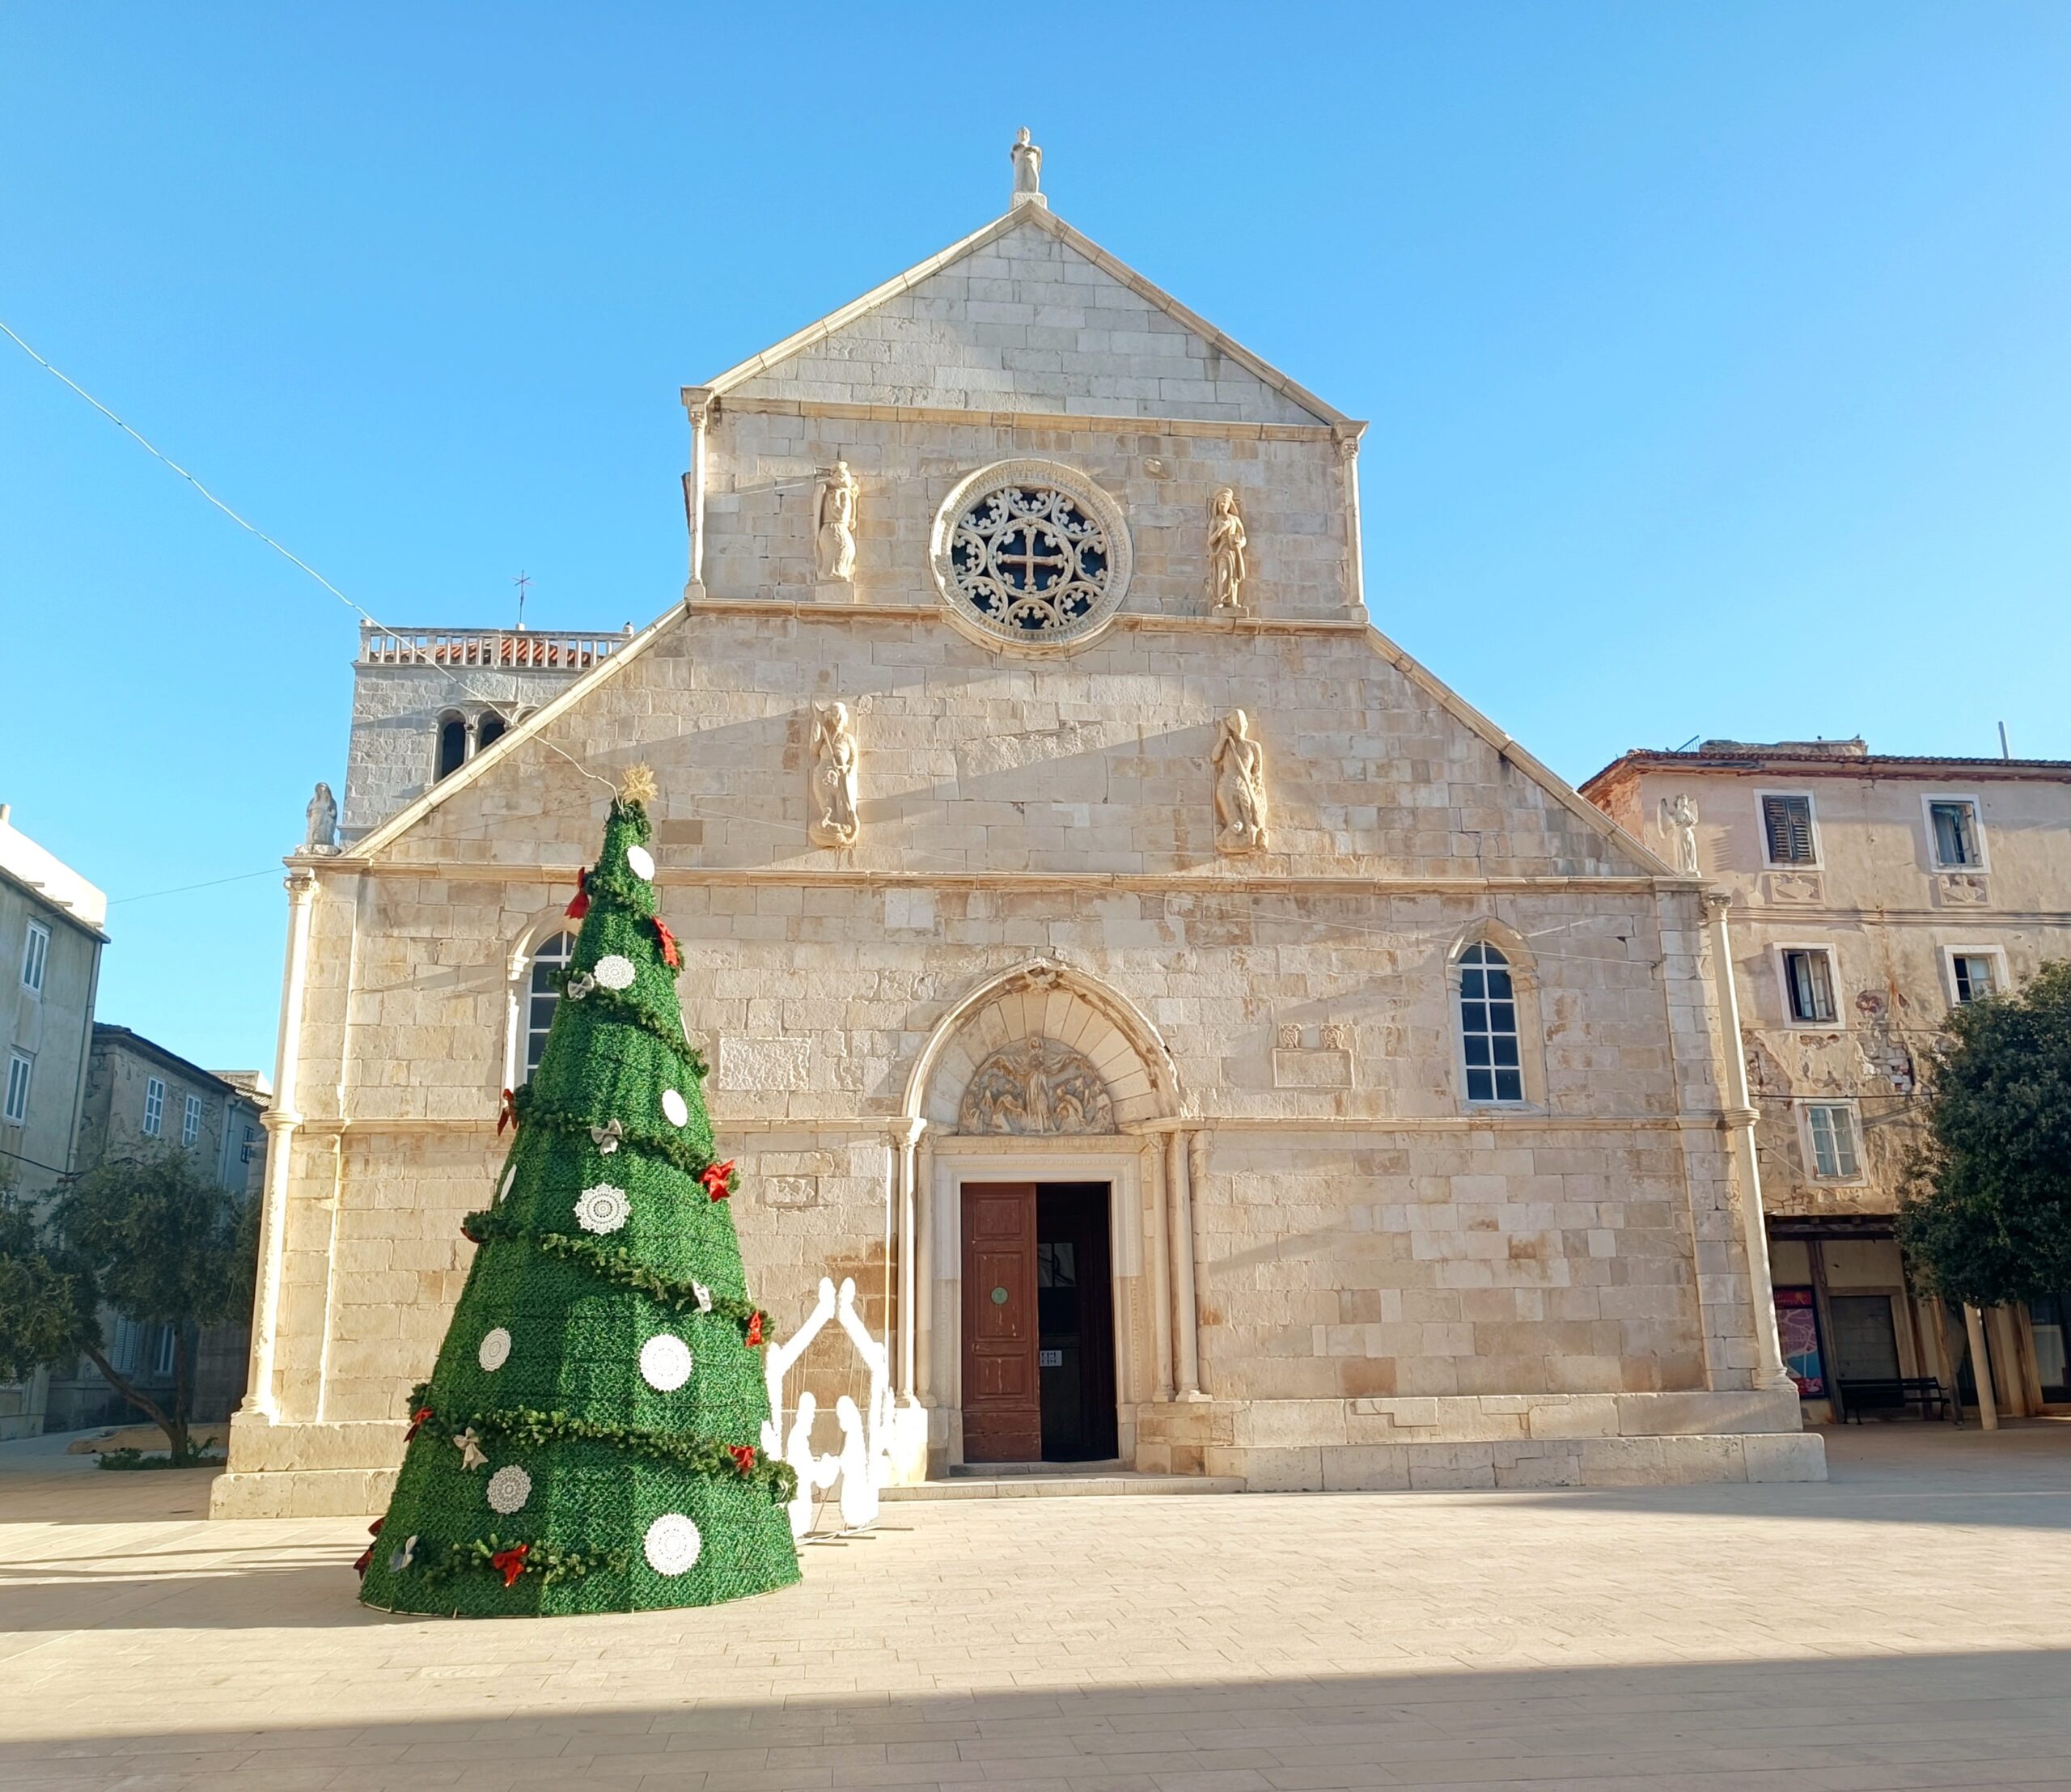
[[1028, 161], [835, 822], [1035, 1085], [1679, 813], [322, 816], [1239, 762], [835, 539], [1225, 553]]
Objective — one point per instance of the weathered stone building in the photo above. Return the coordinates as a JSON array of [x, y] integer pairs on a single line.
[[1206, 1041], [1870, 892]]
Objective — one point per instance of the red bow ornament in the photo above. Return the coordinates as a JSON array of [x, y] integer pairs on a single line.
[[743, 1455], [754, 1332], [716, 1178], [670, 955], [417, 1422], [507, 1115], [367, 1558], [510, 1562], [580, 906]]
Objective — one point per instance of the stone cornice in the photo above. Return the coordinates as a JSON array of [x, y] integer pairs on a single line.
[[1157, 882], [878, 1124], [1074, 422], [1151, 621]]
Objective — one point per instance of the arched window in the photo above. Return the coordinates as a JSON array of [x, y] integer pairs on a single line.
[[1489, 1026], [542, 997], [490, 728], [452, 744]]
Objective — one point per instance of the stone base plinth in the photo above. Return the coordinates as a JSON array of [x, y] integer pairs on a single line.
[[1487, 1440]]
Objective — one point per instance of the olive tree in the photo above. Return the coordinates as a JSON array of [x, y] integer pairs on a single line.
[[150, 1236], [1986, 1213]]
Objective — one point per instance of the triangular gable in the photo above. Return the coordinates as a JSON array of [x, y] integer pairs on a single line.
[[379, 839], [944, 333]]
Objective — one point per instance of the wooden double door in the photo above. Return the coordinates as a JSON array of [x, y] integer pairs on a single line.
[[1039, 1322]]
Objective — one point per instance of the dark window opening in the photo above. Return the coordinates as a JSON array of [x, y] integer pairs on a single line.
[[452, 745]]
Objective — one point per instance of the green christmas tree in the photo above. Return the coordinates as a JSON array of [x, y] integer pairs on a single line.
[[589, 1440]]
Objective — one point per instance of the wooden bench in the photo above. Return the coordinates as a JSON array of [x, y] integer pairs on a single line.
[[1894, 1394]]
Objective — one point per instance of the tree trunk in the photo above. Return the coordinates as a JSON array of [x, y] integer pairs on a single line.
[[176, 1430], [182, 1385]]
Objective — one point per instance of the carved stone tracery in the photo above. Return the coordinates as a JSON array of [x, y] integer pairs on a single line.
[[1033, 1085], [1031, 552]]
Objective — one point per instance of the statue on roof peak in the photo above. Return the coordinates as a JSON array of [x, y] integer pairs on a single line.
[[1027, 159]]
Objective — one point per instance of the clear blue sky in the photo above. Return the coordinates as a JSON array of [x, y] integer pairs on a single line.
[[1717, 356]]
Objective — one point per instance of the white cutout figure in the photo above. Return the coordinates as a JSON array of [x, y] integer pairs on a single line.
[[816, 1474], [859, 1478]]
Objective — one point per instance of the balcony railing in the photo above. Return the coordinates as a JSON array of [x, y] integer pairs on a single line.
[[540, 649]]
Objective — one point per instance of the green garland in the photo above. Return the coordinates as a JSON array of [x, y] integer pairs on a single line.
[[527, 1425], [613, 1263], [532, 1112], [443, 1561], [621, 1006]]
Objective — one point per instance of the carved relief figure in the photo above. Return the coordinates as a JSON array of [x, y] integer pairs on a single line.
[[322, 816], [1028, 161], [1035, 1085], [1225, 553], [1679, 814], [1239, 762], [836, 540], [835, 822]]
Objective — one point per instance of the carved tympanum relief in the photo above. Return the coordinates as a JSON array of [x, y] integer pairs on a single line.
[[834, 821], [1035, 1085], [834, 521], [1240, 808], [1227, 566], [1030, 553]]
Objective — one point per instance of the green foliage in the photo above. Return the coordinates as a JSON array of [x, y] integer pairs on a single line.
[[168, 1244], [539, 1437], [47, 1297], [136, 1458], [148, 1235], [1986, 1214]]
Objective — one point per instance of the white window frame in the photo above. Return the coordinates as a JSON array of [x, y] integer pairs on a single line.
[[190, 1120], [1928, 799], [36, 957], [163, 1361], [153, 1107], [2000, 983], [21, 1077], [1818, 861], [518, 1041], [1826, 949], [1808, 1135]]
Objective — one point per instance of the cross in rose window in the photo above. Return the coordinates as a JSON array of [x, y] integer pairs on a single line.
[[1027, 559]]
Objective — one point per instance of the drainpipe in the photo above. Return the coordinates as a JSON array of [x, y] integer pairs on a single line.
[[1739, 1119], [697, 401]]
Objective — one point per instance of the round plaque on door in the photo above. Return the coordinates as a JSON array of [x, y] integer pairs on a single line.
[[999, 1297]]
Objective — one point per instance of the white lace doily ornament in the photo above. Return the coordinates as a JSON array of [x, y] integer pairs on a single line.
[[495, 1351], [665, 1362], [615, 971], [508, 1487], [642, 862], [672, 1543], [675, 1109], [509, 1176], [601, 1209]]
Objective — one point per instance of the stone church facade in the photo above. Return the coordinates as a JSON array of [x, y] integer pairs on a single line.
[[1113, 953]]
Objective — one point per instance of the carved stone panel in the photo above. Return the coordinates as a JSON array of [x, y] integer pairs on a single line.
[[1962, 890], [1034, 1085], [1796, 886]]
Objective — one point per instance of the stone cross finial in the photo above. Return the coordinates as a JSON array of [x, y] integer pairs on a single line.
[[1028, 161]]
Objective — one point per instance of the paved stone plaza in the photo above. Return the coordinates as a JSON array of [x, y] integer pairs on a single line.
[[1907, 1624]]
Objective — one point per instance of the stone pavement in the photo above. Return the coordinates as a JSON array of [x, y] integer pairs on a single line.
[[1907, 1625]]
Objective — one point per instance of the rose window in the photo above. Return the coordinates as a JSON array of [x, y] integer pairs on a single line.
[[1030, 552]]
